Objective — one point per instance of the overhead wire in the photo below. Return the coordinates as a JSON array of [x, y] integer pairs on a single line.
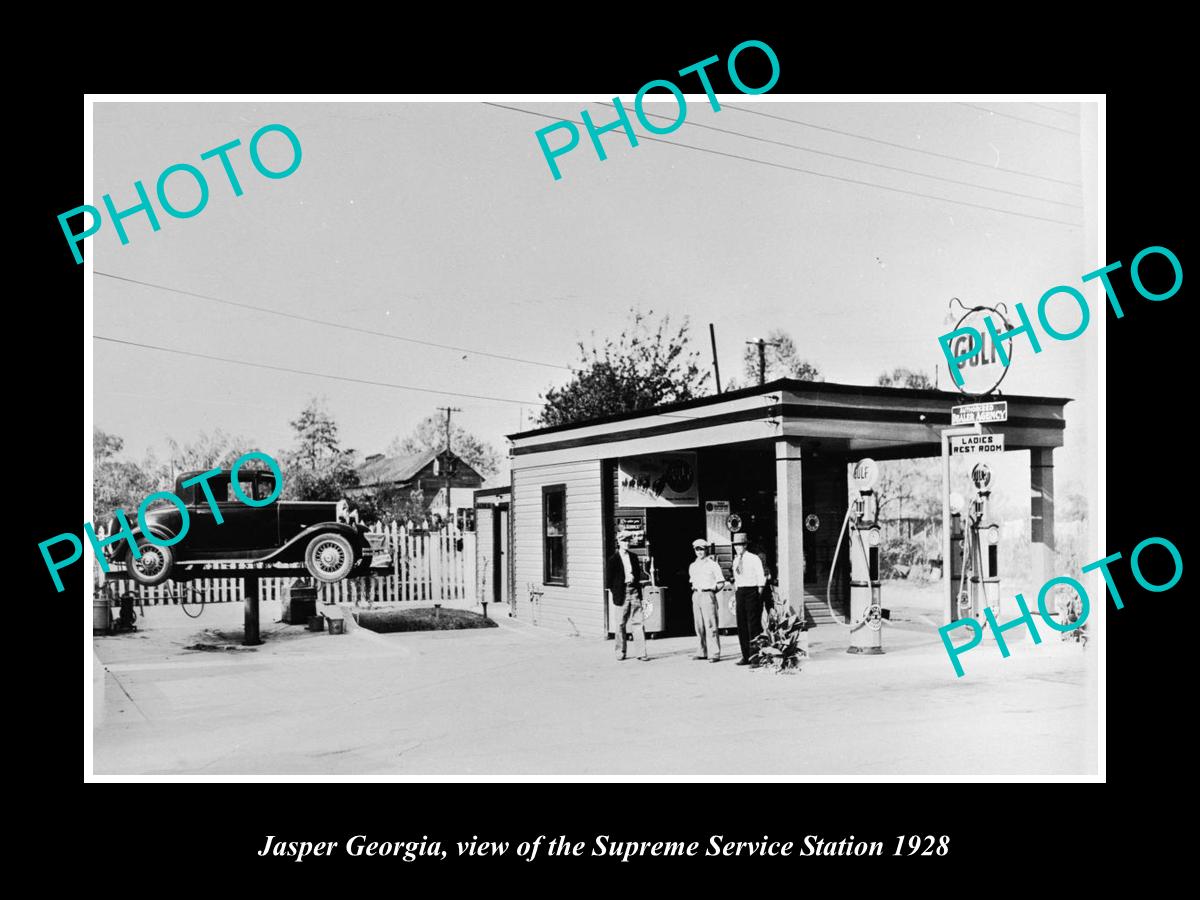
[[367, 381], [1065, 112], [334, 325], [289, 370], [331, 324], [813, 172], [898, 146], [1017, 118], [865, 162]]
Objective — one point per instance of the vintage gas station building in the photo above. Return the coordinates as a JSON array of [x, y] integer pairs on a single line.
[[773, 456]]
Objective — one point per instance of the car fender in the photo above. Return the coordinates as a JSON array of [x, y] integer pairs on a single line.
[[293, 550], [121, 550]]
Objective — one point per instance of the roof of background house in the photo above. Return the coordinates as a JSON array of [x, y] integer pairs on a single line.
[[380, 469]]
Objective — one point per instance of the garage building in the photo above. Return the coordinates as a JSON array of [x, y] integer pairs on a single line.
[[773, 457]]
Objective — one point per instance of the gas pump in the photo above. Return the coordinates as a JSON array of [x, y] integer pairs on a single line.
[[861, 527], [982, 548], [981, 545]]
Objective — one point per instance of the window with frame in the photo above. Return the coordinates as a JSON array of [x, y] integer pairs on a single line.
[[554, 534]]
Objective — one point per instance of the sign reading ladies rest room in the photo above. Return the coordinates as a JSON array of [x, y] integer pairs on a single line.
[[661, 480]]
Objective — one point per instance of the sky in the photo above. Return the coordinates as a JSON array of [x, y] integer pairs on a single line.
[[441, 222]]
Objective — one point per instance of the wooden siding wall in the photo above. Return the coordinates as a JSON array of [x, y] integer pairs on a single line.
[[577, 608]]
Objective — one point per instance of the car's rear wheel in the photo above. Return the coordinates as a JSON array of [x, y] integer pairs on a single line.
[[155, 564], [329, 557]]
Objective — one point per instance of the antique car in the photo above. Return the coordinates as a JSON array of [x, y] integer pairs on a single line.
[[319, 534]]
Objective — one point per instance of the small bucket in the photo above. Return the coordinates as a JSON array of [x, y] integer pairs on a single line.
[[337, 626], [316, 623]]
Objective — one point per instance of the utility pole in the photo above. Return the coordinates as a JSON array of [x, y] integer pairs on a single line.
[[712, 333], [448, 410], [762, 357]]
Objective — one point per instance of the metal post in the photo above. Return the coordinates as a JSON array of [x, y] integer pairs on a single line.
[[251, 638]]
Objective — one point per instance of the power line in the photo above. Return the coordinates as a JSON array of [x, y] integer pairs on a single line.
[[326, 322], [875, 140], [1065, 112], [1018, 118], [866, 162], [763, 162], [242, 362], [402, 387]]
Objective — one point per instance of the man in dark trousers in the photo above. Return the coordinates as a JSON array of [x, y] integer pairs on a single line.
[[750, 581], [624, 579]]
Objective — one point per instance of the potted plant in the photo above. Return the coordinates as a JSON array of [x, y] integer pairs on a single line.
[[783, 643]]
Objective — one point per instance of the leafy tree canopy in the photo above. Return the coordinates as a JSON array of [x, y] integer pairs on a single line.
[[117, 483], [649, 364], [316, 467]]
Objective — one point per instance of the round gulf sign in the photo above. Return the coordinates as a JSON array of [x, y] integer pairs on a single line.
[[812, 522], [865, 474], [874, 617], [981, 474], [978, 364], [733, 522]]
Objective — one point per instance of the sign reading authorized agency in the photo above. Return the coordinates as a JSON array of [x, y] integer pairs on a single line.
[[976, 443], [979, 412]]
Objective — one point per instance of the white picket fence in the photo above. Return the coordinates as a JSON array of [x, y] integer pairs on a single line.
[[425, 566]]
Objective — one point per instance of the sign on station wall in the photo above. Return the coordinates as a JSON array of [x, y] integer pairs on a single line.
[[661, 480]]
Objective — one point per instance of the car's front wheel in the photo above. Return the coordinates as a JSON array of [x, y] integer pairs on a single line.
[[329, 557], [155, 564]]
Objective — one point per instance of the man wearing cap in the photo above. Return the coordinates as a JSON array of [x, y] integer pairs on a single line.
[[624, 578], [707, 578], [750, 582]]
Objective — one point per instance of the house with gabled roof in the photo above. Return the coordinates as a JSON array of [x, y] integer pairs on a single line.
[[428, 473]]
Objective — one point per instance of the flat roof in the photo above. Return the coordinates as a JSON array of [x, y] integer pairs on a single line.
[[494, 491], [796, 386]]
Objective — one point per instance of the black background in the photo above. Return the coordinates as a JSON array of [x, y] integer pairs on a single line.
[[151, 832]]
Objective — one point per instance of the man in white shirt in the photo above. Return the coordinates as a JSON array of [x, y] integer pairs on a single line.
[[707, 578], [750, 582]]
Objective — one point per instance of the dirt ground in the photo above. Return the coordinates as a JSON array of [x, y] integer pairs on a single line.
[[519, 699]]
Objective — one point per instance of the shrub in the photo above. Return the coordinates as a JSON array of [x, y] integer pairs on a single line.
[[778, 647]]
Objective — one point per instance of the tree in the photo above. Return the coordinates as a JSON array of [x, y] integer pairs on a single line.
[[207, 451], [782, 360], [317, 468], [648, 365], [116, 483], [906, 378], [430, 434]]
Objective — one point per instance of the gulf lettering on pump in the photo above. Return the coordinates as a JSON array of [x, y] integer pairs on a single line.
[[621, 122], [1026, 617], [124, 531], [189, 178], [965, 345]]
